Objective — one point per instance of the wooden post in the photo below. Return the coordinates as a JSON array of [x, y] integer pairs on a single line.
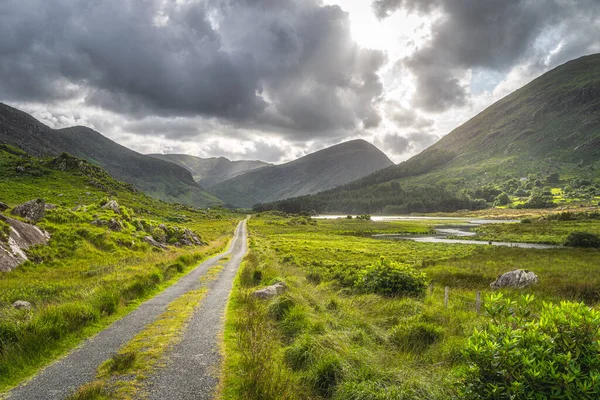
[[431, 288], [446, 295], [478, 302]]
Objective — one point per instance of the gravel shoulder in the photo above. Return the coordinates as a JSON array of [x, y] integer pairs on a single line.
[[62, 378]]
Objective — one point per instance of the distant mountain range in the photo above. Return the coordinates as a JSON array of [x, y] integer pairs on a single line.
[[551, 125], [211, 171], [160, 179], [322, 170], [183, 178]]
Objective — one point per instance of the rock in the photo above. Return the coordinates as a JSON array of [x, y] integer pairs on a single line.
[[21, 237], [154, 243], [115, 225], [50, 206], [3, 206], [270, 291], [518, 279], [33, 210], [112, 205], [190, 238], [22, 305]]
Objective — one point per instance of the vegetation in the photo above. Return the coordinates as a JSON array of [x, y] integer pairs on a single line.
[[89, 274], [518, 355], [328, 336]]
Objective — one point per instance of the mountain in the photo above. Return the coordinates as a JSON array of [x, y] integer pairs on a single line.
[[211, 171], [322, 170], [160, 179], [549, 126]]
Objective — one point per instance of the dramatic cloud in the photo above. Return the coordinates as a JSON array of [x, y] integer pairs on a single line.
[[276, 79], [491, 35], [289, 65]]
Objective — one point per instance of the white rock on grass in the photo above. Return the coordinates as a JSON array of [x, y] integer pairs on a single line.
[[517, 279], [22, 305], [270, 291]]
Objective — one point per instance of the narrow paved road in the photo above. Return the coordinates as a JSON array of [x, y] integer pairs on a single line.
[[193, 367], [62, 378]]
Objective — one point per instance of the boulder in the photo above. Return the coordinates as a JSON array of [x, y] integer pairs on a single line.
[[3, 206], [154, 243], [112, 205], [190, 238], [115, 225], [517, 279], [22, 305], [270, 291], [21, 237], [33, 210], [50, 206]]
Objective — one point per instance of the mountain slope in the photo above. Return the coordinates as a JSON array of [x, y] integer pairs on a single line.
[[211, 171], [160, 179], [551, 125], [315, 172]]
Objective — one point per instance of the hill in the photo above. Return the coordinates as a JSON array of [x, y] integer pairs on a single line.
[[213, 170], [548, 128], [160, 179], [322, 170]]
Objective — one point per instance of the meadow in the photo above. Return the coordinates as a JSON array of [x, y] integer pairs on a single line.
[[333, 336], [89, 275]]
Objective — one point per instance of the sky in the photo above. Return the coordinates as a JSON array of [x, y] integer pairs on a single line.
[[277, 79]]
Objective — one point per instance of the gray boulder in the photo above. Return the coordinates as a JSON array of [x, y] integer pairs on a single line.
[[3, 206], [154, 243], [270, 291], [33, 210], [21, 237], [112, 205], [517, 279], [50, 206], [22, 305], [115, 225]]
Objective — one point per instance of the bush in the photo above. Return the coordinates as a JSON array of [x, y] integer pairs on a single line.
[[503, 199], [519, 356], [582, 239], [391, 279]]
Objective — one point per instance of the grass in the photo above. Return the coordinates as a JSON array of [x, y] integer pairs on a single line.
[[123, 375], [88, 276], [324, 338]]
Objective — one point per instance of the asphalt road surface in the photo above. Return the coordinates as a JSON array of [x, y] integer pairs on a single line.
[[192, 360]]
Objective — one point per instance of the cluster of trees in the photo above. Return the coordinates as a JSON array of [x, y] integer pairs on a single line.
[[389, 197]]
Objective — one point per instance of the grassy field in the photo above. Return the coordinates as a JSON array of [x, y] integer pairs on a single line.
[[88, 275], [328, 337]]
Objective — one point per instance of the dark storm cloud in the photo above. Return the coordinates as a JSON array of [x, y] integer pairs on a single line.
[[490, 34], [289, 65], [406, 118], [410, 143]]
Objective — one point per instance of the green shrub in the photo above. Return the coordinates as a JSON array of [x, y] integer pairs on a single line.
[[391, 279], [582, 239], [520, 356], [295, 322], [280, 307]]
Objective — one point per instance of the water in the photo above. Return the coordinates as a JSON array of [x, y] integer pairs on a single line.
[[442, 232]]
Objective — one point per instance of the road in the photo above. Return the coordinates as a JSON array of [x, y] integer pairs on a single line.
[[198, 349]]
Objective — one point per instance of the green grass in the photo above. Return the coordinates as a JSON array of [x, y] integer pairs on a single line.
[[88, 275], [537, 231], [325, 338]]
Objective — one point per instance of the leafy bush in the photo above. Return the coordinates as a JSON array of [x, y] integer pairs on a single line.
[[502, 199], [521, 356], [391, 279], [364, 217], [582, 239]]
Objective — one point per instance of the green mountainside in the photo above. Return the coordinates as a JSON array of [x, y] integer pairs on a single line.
[[160, 179], [322, 170], [213, 170], [550, 126]]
